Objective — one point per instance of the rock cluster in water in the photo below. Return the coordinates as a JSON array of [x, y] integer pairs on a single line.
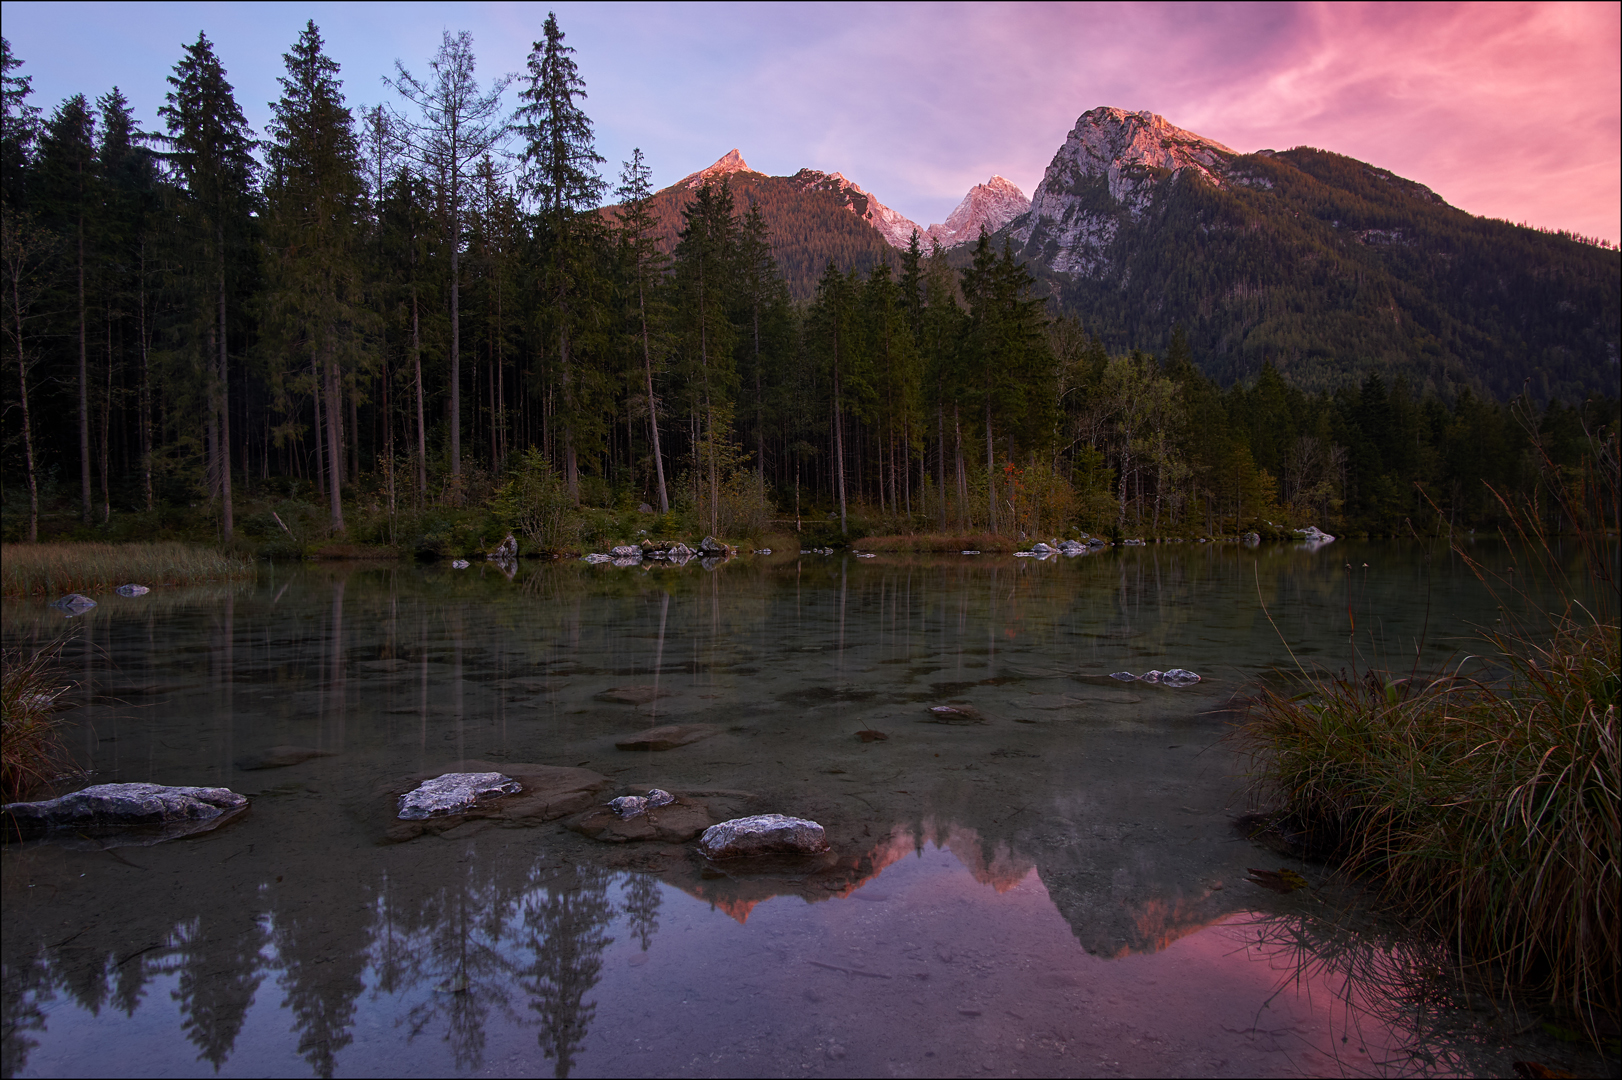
[[1175, 677], [453, 793], [114, 807], [630, 806], [763, 834]]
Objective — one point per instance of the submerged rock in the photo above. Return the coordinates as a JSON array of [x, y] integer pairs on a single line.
[[280, 757], [659, 815], [549, 792], [453, 793], [1175, 677], [955, 714], [175, 811], [763, 834], [632, 695], [666, 737], [132, 590], [73, 603]]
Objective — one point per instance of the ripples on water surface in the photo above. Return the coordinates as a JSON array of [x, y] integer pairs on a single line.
[[1055, 891]]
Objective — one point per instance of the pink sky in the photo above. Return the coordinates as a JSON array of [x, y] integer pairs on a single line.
[[1507, 110]]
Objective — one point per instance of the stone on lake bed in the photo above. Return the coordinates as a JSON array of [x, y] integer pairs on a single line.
[[954, 714], [763, 834], [548, 793], [280, 757], [452, 793], [633, 695], [116, 807], [673, 821], [132, 590], [869, 735], [666, 737]]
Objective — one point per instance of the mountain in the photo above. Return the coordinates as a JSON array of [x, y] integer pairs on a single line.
[[810, 217], [990, 206], [1323, 265], [814, 216]]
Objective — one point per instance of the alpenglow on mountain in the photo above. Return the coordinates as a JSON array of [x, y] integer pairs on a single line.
[[990, 205], [813, 216], [1327, 267]]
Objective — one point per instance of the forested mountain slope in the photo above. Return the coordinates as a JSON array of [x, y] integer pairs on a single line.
[[1324, 265]]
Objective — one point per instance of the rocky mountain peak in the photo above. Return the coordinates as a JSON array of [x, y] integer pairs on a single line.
[[895, 227], [990, 205], [1112, 158], [727, 164]]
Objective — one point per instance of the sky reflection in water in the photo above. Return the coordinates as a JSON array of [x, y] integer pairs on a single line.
[[1053, 891]]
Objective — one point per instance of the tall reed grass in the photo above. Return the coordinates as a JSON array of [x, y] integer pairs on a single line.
[[55, 569], [31, 754], [1483, 802]]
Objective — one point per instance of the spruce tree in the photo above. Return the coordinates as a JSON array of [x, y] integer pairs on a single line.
[[210, 143], [560, 159], [19, 126], [313, 198], [705, 270]]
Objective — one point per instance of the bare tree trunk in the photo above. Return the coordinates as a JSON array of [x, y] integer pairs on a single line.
[[456, 336], [28, 426], [106, 425], [422, 423], [962, 473], [320, 434], [839, 453], [940, 459], [991, 475], [225, 409], [146, 392], [335, 449], [571, 464], [84, 388]]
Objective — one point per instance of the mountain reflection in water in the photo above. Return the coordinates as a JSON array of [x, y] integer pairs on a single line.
[[1052, 891]]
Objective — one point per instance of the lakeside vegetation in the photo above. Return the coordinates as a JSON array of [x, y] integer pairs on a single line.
[[55, 569], [1482, 800]]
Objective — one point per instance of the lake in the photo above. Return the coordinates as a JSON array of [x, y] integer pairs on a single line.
[[1051, 885]]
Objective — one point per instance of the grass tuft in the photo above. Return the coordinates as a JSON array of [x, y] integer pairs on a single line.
[[31, 754], [56, 569]]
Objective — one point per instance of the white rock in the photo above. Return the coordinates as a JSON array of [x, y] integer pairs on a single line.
[[132, 590], [763, 834], [453, 793]]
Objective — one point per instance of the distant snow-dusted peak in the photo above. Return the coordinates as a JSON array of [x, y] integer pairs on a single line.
[[990, 206]]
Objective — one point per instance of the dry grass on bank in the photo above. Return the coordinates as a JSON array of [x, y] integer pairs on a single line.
[[56, 569], [31, 754], [944, 542], [1486, 807]]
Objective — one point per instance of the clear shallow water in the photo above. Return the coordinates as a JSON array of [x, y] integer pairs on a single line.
[[1057, 891]]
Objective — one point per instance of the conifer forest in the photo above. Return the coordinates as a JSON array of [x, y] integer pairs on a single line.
[[426, 321]]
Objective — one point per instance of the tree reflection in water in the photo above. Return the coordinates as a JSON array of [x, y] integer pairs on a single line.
[[220, 969], [564, 924]]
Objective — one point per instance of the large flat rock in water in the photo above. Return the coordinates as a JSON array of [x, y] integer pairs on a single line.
[[633, 695], [666, 737], [143, 813], [763, 834], [546, 793]]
